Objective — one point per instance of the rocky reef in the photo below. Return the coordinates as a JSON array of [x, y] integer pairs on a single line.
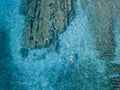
[[102, 16], [46, 19]]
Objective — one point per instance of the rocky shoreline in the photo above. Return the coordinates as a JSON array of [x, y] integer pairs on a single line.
[[46, 19]]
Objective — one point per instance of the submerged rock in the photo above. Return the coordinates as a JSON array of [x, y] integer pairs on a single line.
[[24, 52], [102, 16], [46, 19], [116, 83], [101, 20]]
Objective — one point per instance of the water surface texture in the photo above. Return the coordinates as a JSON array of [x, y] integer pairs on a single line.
[[46, 69]]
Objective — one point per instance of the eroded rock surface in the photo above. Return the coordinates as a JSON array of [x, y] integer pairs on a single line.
[[100, 14], [116, 83], [46, 19]]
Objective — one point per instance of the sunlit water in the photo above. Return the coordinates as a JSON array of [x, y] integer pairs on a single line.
[[45, 69]]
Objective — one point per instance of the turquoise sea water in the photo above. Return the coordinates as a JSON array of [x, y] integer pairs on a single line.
[[45, 69]]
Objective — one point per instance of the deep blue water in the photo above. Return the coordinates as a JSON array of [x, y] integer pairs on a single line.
[[45, 69]]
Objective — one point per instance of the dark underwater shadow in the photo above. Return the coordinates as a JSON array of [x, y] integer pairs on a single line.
[[4, 46], [9, 73], [7, 67], [4, 57]]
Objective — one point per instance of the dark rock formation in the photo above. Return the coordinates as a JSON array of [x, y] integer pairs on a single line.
[[46, 19], [114, 68], [101, 18], [116, 83], [102, 15]]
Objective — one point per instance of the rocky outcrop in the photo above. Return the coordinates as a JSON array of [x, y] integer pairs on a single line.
[[101, 15], [116, 83], [114, 69], [46, 19]]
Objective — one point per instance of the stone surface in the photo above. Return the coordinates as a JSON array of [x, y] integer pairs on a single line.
[[114, 68], [101, 15], [116, 83], [46, 19]]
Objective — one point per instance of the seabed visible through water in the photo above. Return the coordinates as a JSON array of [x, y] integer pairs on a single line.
[[74, 66]]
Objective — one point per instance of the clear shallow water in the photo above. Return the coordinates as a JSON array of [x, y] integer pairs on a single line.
[[48, 70]]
